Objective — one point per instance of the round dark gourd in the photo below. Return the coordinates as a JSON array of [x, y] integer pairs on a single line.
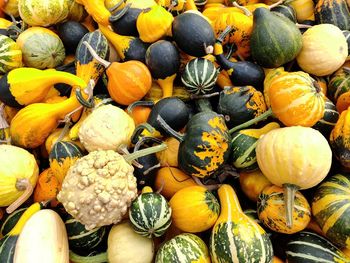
[[285, 10], [193, 34], [126, 24], [71, 32]]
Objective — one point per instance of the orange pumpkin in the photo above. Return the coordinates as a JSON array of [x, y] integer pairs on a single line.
[[139, 114], [47, 187]]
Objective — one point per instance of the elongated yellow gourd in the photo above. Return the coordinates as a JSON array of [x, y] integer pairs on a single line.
[[97, 9]]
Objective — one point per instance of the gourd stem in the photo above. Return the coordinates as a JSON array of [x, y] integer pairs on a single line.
[[223, 34], [246, 124], [93, 53], [99, 258], [120, 14], [132, 156], [21, 185], [169, 130], [302, 25], [276, 4], [205, 96], [211, 187], [131, 107], [64, 130], [346, 69], [89, 103], [139, 129], [242, 8], [113, 8], [3, 122], [289, 194], [203, 105], [145, 139]]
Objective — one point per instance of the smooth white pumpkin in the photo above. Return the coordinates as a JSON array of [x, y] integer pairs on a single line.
[[43, 239]]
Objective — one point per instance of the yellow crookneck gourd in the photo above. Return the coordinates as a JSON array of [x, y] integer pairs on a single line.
[[24, 86], [97, 9]]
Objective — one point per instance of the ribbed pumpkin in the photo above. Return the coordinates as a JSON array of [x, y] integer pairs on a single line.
[[184, 248], [324, 50], [330, 207], [339, 139], [294, 158], [150, 214], [43, 12], [10, 55], [194, 209], [271, 210], [334, 12]]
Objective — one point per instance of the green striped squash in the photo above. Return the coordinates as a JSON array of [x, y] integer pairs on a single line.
[[253, 214], [81, 239], [243, 144], [11, 220], [150, 215], [346, 33], [199, 76], [43, 12], [329, 119], [334, 12], [331, 209], [339, 83], [286, 11], [308, 247], [10, 55], [184, 248]]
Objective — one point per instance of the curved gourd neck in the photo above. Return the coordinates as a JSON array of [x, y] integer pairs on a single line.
[[55, 76], [65, 107], [167, 85], [231, 210], [220, 57]]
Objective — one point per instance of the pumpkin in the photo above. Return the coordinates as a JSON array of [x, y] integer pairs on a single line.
[[76, 11], [169, 157], [304, 9], [330, 209], [334, 12], [43, 13], [339, 139], [252, 184], [294, 158], [327, 46], [194, 209], [41, 48], [10, 56], [47, 187], [236, 237], [170, 180], [271, 210], [186, 247], [275, 39], [139, 114]]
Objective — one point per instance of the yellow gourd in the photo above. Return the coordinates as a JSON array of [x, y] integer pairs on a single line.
[[253, 183]]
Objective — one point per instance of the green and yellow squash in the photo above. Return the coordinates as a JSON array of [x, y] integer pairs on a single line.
[[334, 12], [331, 209], [339, 83], [10, 55], [11, 220], [330, 117]]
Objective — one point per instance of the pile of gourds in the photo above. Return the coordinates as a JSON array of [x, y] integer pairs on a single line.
[[174, 131]]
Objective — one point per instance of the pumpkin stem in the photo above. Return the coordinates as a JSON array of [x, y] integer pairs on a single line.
[[93, 53], [242, 8], [210, 187], [170, 130], [205, 96], [317, 86], [65, 129], [131, 107], [132, 156], [246, 124], [289, 194], [22, 184], [276, 4], [99, 258], [124, 151], [119, 15], [302, 25], [223, 34], [115, 7], [139, 129]]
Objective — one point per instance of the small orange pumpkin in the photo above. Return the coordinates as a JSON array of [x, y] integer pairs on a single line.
[[47, 187]]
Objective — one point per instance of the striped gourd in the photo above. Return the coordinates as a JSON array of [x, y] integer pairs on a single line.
[[346, 33], [236, 237], [253, 214], [11, 220], [243, 143], [81, 239], [199, 76], [334, 12], [10, 55], [184, 248], [43, 12], [339, 83], [150, 215], [331, 209], [200, 3], [308, 247], [329, 119]]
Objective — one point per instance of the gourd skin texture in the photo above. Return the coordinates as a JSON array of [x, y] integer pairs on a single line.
[[25, 168], [294, 155], [106, 128], [11, 54], [324, 50]]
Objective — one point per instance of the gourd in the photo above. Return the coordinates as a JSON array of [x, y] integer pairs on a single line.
[[304, 9], [17, 181], [76, 11], [326, 44], [330, 117], [194, 209], [271, 210], [10, 7], [243, 144], [252, 184], [47, 188], [186, 247], [205, 147], [128, 81], [330, 210], [339, 83], [304, 147], [106, 128], [168, 157], [339, 139], [123, 242], [123, 21], [46, 230], [139, 114], [43, 13], [275, 40], [285, 10], [23, 86], [334, 12], [235, 237], [10, 56], [41, 48], [9, 221], [97, 9], [150, 215], [154, 23], [171, 180], [71, 32], [156, 93], [163, 60], [308, 247]]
